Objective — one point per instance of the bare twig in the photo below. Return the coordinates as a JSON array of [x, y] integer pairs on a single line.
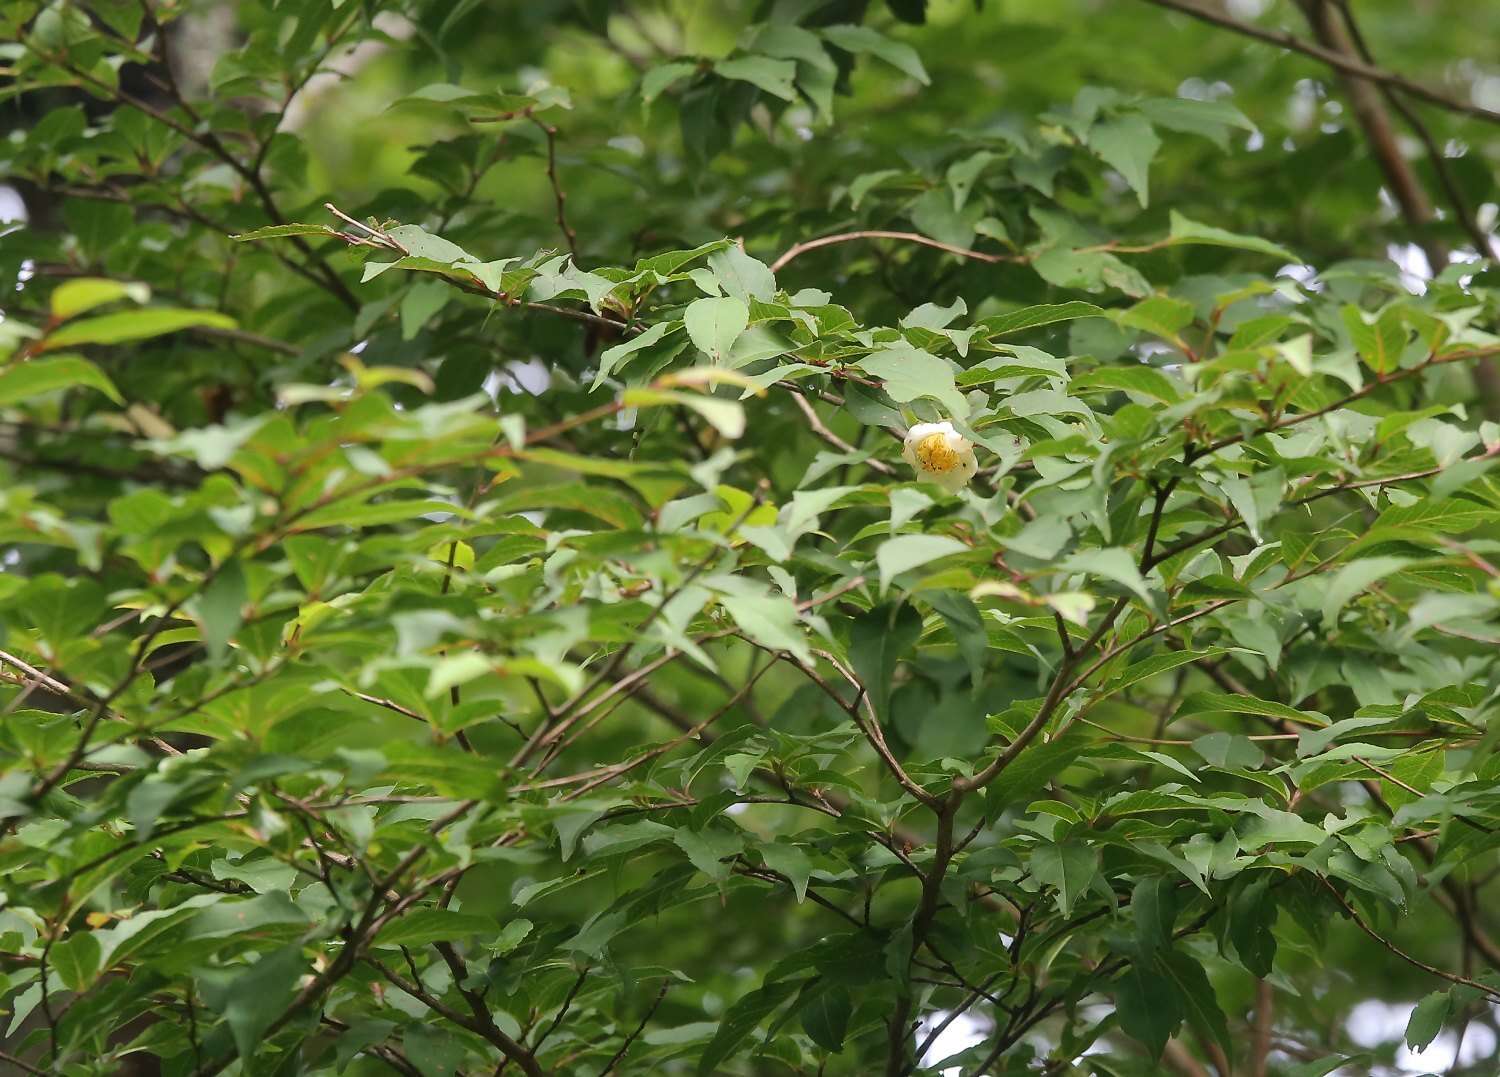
[[880, 233], [559, 196], [1416, 962], [619, 1056]]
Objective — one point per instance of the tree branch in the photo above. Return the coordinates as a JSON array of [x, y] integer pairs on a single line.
[[1338, 61]]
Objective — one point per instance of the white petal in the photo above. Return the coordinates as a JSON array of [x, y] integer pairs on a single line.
[[952, 481], [922, 430]]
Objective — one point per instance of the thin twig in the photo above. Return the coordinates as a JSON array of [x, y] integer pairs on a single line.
[[880, 233], [559, 196], [619, 1056], [1402, 954]]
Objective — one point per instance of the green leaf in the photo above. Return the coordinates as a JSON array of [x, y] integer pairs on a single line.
[[1137, 379], [82, 294], [1068, 868], [1154, 666], [434, 1052], [825, 1015], [1114, 564], [128, 325], [911, 374], [770, 620], [1015, 321], [1127, 144], [741, 1019], [1353, 579], [1186, 231], [1153, 905], [743, 277], [966, 624], [878, 640], [906, 552], [611, 358], [280, 231], [257, 997], [76, 960], [1211, 119], [1160, 315], [1229, 750], [22, 381], [1252, 916], [1380, 344], [421, 927], [1427, 1019], [654, 81], [862, 39], [1037, 765], [715, 324], [221, 608], [1198, 1000], [707, 849], [792, 862], [1148, 1006], [1223, 703], [234, 917], [776, 77]]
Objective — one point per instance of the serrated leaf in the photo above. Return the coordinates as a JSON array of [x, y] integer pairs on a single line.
[[715, 324], [1127, 144], [1068, 868], [654, 81]]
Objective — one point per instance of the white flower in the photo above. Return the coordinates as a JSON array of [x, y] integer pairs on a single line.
[[940, 454]]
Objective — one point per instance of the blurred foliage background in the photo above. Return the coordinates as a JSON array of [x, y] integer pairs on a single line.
[[656, 153]]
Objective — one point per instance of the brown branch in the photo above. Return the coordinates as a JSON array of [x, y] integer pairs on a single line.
[[1369, 109], [507, 1045], [1416, 962], [21, 1063], [1265, 1015], [559, 196], [817, 426], [898, 1033], [1351, 41], [619, 1056], [1482, 241], [1336, 60], [879, 233], [1180, 1058], [562, 1011]]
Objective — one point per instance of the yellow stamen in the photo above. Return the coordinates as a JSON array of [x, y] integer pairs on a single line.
[[934, 454]]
